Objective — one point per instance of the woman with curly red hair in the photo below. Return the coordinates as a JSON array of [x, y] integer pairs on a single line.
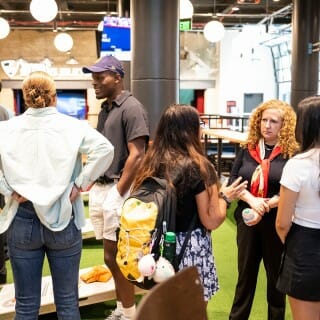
[[271, 142]]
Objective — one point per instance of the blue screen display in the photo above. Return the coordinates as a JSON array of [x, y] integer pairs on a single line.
[[115, 39], [72, 103]]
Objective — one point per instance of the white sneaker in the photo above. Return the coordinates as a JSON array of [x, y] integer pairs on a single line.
[[115, 315]]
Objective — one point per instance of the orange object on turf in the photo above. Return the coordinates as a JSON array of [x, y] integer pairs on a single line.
[[97, 273]]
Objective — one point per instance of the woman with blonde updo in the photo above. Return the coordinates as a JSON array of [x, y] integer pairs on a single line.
[[271, 142], [37, 95], [42, 176]]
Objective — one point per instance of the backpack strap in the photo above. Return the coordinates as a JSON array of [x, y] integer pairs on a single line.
[[178, 258]]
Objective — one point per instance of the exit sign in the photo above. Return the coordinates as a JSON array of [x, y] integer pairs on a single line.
[[185, 24]]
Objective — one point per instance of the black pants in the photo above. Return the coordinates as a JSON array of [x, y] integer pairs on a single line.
[[3, 270], [257, 243]]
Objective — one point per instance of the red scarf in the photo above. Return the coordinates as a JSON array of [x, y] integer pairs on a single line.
[[259, 180]]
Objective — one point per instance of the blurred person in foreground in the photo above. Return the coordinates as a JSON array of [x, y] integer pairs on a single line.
[[271, 142], [124, 121], [42, 176], [5, 114], [298, 217], [176, 154]]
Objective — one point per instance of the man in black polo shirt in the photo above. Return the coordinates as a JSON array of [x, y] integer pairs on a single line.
[[123, 120]]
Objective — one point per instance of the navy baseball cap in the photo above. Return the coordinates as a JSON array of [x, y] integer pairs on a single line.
[[106, 63]]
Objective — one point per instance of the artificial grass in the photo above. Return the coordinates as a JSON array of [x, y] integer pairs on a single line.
[[225, 252]]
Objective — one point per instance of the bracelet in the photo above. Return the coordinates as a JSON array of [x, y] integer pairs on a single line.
[[224, 197]]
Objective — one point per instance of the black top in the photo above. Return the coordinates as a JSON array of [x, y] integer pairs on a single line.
[[188, 185], [126, 121], [244, 166]]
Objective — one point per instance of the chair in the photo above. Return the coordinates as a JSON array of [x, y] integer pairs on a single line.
[[178, 298]]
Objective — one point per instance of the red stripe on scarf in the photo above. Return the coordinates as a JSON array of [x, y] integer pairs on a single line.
[[265, 167]]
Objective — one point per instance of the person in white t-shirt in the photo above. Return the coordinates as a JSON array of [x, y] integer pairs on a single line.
[[298, 217]]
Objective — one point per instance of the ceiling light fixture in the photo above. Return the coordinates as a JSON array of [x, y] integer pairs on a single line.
[[43, 10], [4, 28], [63, 42], [186, 9], [100, 25], [213, 31]]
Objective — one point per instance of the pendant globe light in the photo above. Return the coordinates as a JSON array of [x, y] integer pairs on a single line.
[[43, 10], [213, 31], [186, 9], [4, 28], [100, 26], [63, 42]]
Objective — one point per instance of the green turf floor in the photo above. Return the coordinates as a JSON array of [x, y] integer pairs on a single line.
[[225, 252], [224, 244]]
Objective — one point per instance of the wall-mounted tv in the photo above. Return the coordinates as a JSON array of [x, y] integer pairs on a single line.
[[72, 103], [116, 38]]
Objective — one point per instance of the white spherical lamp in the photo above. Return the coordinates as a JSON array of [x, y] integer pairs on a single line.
[[4, 28], [213, 31], [186, 9], [43, 10], [100, 26], [63, 42]]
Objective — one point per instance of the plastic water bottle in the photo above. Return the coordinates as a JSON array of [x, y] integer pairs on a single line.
[[169, 246], [249, 215]]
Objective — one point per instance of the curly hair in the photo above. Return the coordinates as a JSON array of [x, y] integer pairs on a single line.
[[286, 139], [38, 90]]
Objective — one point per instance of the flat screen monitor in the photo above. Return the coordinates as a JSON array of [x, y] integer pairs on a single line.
[[116, 38], [72, 103]]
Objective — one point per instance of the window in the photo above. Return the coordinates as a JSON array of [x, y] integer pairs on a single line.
[[251, 101]]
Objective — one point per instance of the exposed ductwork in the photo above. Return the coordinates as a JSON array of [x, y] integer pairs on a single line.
[[80, 14]]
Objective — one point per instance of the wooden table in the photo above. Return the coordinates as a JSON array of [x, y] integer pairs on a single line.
[[232, 136]]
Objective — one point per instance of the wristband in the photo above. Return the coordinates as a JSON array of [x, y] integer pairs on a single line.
[[224, 197]]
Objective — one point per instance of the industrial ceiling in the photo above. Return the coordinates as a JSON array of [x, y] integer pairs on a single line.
[[86, 15]]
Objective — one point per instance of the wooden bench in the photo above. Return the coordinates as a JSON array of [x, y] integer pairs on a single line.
[[87, 230], [90, 293]]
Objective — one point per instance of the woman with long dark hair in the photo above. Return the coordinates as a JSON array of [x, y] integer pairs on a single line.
[[176, 154], [298, 217]]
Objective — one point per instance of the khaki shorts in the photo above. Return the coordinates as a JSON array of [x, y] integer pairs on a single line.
[[105, 204]]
